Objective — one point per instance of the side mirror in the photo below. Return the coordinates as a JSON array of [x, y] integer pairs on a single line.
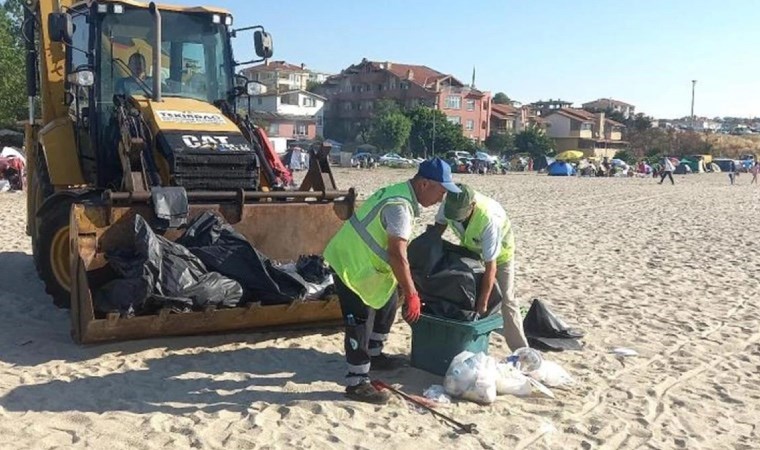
[[60, 27], [262, 42], [255, 88]]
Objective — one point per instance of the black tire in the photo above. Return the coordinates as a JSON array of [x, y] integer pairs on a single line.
[[53, 252], [43, 190], [48, 226]]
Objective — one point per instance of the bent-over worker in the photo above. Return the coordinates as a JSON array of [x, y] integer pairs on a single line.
[[482, 226], [368, 256]]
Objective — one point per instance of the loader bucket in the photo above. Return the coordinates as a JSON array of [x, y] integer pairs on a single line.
[[282, 230]]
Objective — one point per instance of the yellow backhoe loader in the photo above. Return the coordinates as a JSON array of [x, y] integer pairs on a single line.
[[138, 102]]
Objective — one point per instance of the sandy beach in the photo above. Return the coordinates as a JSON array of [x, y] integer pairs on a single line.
[[672, 272]]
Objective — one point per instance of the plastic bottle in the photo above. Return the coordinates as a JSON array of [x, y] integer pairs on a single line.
[[525, 359]]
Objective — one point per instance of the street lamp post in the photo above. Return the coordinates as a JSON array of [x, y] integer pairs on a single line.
[[693, 83], [435, 108]]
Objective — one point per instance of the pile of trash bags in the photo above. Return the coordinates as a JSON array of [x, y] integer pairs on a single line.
[[447, 277], [480, 378], [211, 264]]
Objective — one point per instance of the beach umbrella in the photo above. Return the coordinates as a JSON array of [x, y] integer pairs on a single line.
[[569, 155], [618, 162]]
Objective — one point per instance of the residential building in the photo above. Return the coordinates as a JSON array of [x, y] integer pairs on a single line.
[[544, 107], [511, 119], [353, 94], [610, 104], [295, 114], [282, 76], [577, 129]]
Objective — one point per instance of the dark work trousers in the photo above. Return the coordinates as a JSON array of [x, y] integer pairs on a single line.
[[667, 174], [366, 330]]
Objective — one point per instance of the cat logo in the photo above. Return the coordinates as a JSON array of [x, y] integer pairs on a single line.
[[215, 142], [203, 141]]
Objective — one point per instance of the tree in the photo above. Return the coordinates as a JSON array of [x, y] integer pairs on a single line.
[[500, 143], [502, 99], [390, 131], [13, 86], [313, 86], [448, 136], [626, 155], [535, 142]]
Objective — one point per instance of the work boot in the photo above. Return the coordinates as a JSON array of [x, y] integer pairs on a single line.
[[385, 362], [365, 392]]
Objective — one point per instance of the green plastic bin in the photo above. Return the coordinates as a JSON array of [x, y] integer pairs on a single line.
[[436, 341]]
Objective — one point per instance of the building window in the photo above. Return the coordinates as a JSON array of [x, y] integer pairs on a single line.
[[453, 102], [347, 106], [379, 87], [404, 85], [301, 129], [454, 119], [319, 121], [309, 101], [470, 105], [470, 125], [274, 129], [392, 84], [585, 126], [259, 101]]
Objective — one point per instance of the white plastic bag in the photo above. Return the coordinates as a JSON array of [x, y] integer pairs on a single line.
[[437, 394], [472, 377], [4, 186], [510, 380], [552, 374]]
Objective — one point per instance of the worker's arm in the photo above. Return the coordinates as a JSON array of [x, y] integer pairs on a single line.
[[399, 263], [486, 286]]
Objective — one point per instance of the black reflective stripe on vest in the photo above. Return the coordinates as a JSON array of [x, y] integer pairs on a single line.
[[361, 228]]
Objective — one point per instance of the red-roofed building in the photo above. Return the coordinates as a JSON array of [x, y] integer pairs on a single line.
[[353, 94], [281, 76], [577, 129]]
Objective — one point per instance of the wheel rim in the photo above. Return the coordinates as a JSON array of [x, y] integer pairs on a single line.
[[59, 258]]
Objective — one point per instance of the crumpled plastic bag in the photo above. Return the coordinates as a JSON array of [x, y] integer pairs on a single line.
[[472, 377], [552, 374], [437, 393], [510, 380]]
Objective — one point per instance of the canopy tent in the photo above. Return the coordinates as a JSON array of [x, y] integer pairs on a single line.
[[560, 169]]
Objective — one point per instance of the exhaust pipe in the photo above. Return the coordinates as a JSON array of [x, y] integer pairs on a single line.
[[153, 8]]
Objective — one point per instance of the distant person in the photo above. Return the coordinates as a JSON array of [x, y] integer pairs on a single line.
[[482, 226], [732, 172], [755, 171], [667, 170]]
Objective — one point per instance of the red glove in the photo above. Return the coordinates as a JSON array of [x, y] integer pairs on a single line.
[[413, 308]]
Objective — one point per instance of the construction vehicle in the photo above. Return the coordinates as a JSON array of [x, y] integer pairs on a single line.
[[138, 102]]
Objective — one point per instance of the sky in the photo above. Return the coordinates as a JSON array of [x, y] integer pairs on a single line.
[[644, 52]]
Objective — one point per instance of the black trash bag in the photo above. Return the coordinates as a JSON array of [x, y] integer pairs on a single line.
[[123, 296], [158, 273], [214, 289], [546, 331], [226, 251], [312, 268], [447, 277]]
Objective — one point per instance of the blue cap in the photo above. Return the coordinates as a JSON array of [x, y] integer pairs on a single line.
[[438, 170]]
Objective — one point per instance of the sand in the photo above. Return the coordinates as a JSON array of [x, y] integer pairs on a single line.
[[670, 271]]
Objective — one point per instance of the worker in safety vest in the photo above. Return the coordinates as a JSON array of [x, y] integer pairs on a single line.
[[482, 225], [369, 259]]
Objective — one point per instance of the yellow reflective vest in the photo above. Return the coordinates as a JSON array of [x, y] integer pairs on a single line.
[[358, 253], [487, 209]]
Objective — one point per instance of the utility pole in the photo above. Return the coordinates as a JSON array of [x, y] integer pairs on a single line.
[[693, 83], [435, 110]]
